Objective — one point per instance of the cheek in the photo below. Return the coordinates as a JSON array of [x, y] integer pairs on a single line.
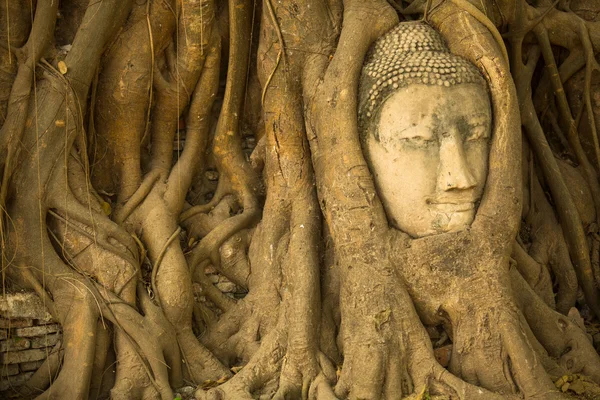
[[477, 158], [416, 169]]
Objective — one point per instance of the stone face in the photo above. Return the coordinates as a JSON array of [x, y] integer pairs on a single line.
[[23, 305], [14, 344], [13, 381], [16, 357], [15, 323], [45, 341], [3, 334], [37, 330], [429, 154]]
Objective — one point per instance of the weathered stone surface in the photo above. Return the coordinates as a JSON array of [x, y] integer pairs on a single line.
[[227, 287], [15, 323], [37, 330], [45, 341], [23, 305], [30, 366], [16, 357], [212, 175], [13, 381], [14, 344], [3, 334], [8, 370]]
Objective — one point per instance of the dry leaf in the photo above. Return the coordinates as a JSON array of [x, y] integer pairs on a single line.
[[106, 208], [62, 67]]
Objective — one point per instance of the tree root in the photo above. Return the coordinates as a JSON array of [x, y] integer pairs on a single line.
[[210, 244], [548, 249], [45, 374], [569, 218], [78, 314], [536, 275], [233, 262], [263, 366], [103, 343], [560, 337]]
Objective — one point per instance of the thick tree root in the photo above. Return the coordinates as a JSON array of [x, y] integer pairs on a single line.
[[78, 313], [564, 340]]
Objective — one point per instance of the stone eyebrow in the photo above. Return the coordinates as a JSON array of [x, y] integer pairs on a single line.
[[478, 115]]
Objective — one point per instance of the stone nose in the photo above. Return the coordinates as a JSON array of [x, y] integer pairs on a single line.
[[454, 172]]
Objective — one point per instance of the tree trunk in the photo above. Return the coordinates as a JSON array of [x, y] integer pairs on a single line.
[[184, 184]]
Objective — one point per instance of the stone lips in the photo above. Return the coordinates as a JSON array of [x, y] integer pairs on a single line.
[[410, 53]]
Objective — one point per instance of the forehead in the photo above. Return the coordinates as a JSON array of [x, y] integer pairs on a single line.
[[418, 104]]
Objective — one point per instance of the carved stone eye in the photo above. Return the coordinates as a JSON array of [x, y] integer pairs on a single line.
[[418, 140], [477, 132]]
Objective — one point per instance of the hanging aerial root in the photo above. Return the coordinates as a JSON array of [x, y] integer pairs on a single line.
[[192, 161], [184, 68], [548, 249], [227, 149], [569, 217]]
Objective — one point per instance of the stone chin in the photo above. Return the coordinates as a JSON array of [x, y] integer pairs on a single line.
[[437, 222], [451, 222]]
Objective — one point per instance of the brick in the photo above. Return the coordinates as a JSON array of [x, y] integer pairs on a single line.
[[8, 370], [14, 381], [16, 357], [37, 330], [15, 323], [46, 321], [30, 366], [443, 354], [14, 344], [45, 341]]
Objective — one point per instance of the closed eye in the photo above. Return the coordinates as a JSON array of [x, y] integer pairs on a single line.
[[417, 140], [477, 132]]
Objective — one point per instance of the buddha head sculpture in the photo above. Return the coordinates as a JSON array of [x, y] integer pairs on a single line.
[[425, 123]]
